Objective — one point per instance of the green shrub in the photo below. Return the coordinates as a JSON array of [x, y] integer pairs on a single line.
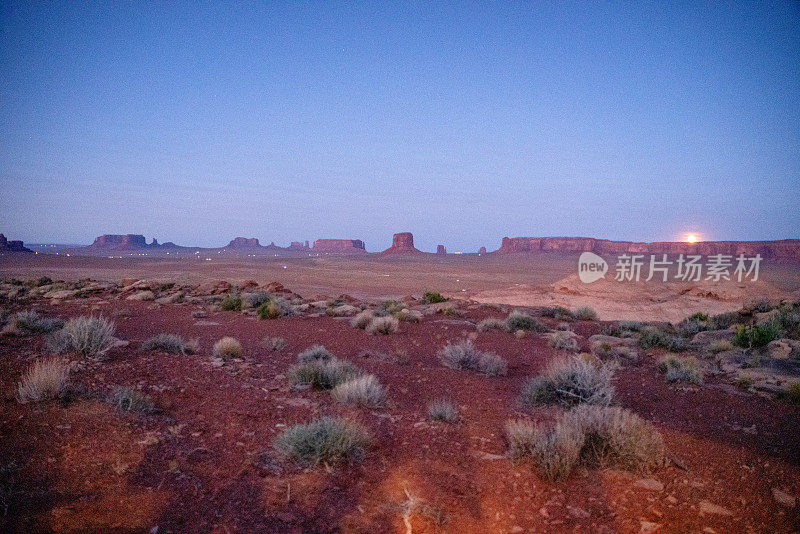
[[86, 336], [432, 297], [126, 399], [322, 374], [651, 337], [365, 391], [326, 440], [170, 343], [787, 317], [585, 313], [274, 308], [568, 382], [756, 335], [518, 320], [594, 436], [231, 303], [678, 369], [443, 410]]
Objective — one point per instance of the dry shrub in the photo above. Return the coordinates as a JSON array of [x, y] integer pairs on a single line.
[[86, 335], [720, 345], [326, 440], [491, 323], [363, 391], [126, 399], [322, 374], [227, 347], [563, 340], [678, 369], [518, 320], [362, 319], [45, 379], [585, 313], [443, 410], [30, 323], [169, 343], [595, 436], [273, 343], [383, 325], [317, 352], [464, 356], [570, 381]]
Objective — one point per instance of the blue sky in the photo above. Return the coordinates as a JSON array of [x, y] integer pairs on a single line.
[[462, 123]]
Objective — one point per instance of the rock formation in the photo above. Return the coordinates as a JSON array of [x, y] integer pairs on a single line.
[[339, 246], [440, 249], [243, 242], [784, 249], [482, 250], [297, 245], [119, 242], [402, 243], [12, 246]]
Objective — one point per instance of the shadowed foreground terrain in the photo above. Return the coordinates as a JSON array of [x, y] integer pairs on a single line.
[[201, 456]]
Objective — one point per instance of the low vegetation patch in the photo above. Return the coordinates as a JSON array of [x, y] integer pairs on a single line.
[[362, 319], [464, 356], [443, 410], [723, 320], [563, 340], [86, 336], [793, 391], [518, 320], [315, 353], [273, 343], [491, 323], [365, 391], [231, 302], [756, 335], [652, 338], [274, 308], [432, 297], [383, 325], [720, 345], [227, 347], [44, 380], [593, 436], [170, 343], [323, 374], [677, 369], [556, 312], [585, 313], [126, 399], [325, 440], [31, 323], [568, 382]]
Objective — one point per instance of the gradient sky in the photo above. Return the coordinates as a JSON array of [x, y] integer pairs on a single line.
[[463, 123]]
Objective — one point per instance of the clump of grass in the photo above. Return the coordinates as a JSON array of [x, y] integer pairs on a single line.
[[227, 347], [325, 440], [315, 353], [556, 312], [365, 391], [450, 311], [743, 382], [756, 335], [760, 305], [691, 326], [322, 374], [723, 321], [585, 313], [570, 381], [383, 325], [126, 399], [86, 336], [633, 326], [443, 410], [594, 436], [273, 343], [787, 318], [464, 356], [432, 297], [563, 340], [652, 337], [231, 302], [491, 323], [45, 379], [30, 323], [678, 369], [169, 343], [362, 319], [254, 299], [518, 320], [793, 391], [274, 308], [720, 345]]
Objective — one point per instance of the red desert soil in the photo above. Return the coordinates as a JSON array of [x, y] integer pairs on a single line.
[[206, 462]]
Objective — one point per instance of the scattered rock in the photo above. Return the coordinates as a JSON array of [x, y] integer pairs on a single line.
[[713, 509], [61, 294], [646, 527], [649, 484], [142, 295], [784, 498]]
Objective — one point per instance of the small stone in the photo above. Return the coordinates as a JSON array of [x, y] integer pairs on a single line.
[[647, 527], [579, 513], [649, 484], [784, 498], [713, 509]]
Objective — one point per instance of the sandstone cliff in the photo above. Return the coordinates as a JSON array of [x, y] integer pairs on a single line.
[[339, 246], [12, 246], [402, 243]]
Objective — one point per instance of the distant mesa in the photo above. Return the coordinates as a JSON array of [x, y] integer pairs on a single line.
[[119, 242], [298, 246], [482, 250], [440, 249], [339, 246], [402, 243], [12, 246], [244, 243], [784, 249]]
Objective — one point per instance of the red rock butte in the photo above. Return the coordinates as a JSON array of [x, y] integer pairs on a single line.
[[402, 243], [12, 246], [339, 246], [784, 249]]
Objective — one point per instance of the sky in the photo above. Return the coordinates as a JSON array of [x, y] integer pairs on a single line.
[[460, 122]]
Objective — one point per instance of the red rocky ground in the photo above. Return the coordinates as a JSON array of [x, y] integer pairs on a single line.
[[206, 462]]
